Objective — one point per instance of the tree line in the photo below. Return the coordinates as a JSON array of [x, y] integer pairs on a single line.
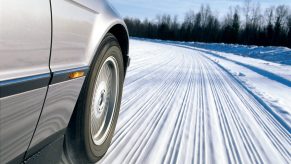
[[241, 25]]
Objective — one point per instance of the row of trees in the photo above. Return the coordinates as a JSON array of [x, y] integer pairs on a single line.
[[243, 25]]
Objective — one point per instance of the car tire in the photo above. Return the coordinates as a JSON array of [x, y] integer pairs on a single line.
[[93, 122]]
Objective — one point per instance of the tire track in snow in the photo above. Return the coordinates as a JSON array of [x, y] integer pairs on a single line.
[[274, 134], [181, 107]]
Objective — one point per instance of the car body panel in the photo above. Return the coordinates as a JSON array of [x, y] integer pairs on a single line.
[[72, 28], [58, 108], [25, 37], [18, 117], [77, 31]]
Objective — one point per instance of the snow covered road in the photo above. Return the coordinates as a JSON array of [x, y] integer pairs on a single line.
[[180, 106]]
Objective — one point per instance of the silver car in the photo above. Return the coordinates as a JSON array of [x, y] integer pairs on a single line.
[[62, 67]]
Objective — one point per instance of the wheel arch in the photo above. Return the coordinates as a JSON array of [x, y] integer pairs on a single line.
[[121, 34], [119, 31]]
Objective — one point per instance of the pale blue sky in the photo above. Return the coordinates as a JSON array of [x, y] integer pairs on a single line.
[[150, 8]]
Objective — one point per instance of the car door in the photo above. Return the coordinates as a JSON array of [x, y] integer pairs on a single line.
[[25, 41], [72, 45]]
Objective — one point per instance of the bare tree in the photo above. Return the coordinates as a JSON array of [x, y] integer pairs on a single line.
[[280, 24], [256, 16], [269, 16], [247, 11], [189, 18], [281, 16], [205, 14]]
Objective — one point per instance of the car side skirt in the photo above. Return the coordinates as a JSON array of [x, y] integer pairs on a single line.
[[48, 151]]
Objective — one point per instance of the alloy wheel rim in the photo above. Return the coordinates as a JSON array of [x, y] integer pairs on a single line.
[[104, 100]]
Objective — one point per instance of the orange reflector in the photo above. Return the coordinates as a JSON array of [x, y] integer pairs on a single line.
[[76, 75]]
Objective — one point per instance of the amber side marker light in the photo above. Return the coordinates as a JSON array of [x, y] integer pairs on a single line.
[[76, 74]]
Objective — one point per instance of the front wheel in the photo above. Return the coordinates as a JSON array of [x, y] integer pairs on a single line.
[[92, 125]]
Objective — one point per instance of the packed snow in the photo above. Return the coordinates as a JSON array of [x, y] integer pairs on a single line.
[[190, 104], [280, 55]]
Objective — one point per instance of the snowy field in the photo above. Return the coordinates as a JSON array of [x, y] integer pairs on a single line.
[[184, 103]]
